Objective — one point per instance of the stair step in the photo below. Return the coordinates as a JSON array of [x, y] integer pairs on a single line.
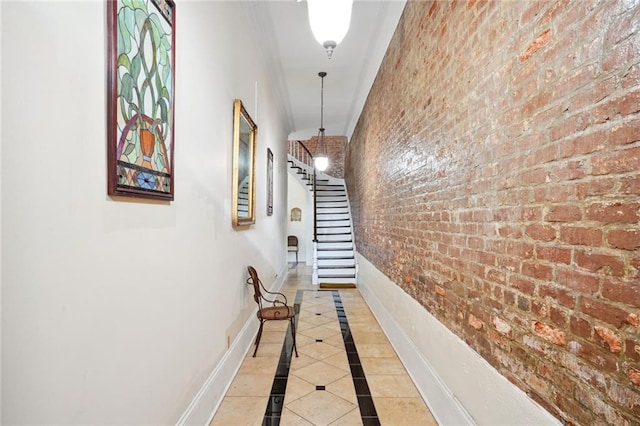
[[331, 217], [336, 254], [329, 206], [337, 273], [322, 208], [338, 238], [332, 210], [335, 268], [334, 245], [337, 263], [343, 280], [332, 204], [335, 230], [330, 224]]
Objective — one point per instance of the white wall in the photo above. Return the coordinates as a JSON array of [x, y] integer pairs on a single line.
[[299, 196], [117, 311]]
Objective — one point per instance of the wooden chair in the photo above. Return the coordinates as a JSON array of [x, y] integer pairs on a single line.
[[292, 245], [275, 309]]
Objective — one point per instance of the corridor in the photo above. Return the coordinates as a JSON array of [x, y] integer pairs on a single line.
[[347, 372]]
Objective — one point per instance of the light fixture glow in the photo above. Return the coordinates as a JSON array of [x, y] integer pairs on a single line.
[[329, 21], [321, 160], [321, 163]]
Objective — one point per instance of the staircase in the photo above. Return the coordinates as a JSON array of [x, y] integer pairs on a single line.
[[336, 257], [336, 263], [243, 199]]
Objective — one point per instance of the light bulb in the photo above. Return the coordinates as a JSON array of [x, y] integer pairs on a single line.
[[322, 162]]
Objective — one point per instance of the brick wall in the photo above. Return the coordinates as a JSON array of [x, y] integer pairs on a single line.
[[335, 152], [495, 176]]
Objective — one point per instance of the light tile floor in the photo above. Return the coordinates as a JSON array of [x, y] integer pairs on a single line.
[[323, 361]]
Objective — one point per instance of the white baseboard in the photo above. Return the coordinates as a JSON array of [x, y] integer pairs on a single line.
[[446, 409], [458, 385], [206, 402]]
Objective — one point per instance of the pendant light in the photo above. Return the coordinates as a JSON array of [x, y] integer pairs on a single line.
[[329, 21], [321, 160]]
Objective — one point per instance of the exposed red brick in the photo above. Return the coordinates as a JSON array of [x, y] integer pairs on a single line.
[[563, 213], [601, 263], [540, 41], [620, 291], [580, 327], [626, 133], [537, 270], [618, 162], [610, 338], [549, 333], [581, 235], [502, 326], [627, 239], [541, 232], [516, 182], [441, 291], [605, 312], [554, 254], [576, 280], [564, 297], [634, 376], [475, 322], [605, 361], [614, 212]]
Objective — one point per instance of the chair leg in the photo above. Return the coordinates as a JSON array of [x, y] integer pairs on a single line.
[[293, 334], [296, 257], [258, 338]]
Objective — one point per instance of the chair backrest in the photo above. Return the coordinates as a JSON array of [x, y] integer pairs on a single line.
[[292, 241], [253, 277]]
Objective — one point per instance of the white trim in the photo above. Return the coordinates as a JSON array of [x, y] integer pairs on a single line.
[[446, 409], [459, 386], [208, 399]]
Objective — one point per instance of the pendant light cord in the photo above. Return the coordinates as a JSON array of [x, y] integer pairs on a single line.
[[323, 148]]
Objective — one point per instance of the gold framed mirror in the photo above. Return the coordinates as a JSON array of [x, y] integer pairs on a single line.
[[245, 134]]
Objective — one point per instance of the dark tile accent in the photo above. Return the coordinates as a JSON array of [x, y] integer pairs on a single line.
[[275, 403], [350, 347], [318, 313], [318, 340], [365, 401], [283, 370], [279, 386], [362, 388], [370, 421], [271, 421], [367, 409], [356, 371]]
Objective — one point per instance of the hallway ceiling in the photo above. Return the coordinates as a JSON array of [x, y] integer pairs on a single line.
[[294, 58]]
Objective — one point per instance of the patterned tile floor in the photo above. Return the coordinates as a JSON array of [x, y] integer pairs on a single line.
[[347, 372]]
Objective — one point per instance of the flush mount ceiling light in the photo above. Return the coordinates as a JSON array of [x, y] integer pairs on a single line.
[[321, 160], [329, 20]]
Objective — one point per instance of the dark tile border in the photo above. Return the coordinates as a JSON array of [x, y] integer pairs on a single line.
[[365, 400], [275, 405]]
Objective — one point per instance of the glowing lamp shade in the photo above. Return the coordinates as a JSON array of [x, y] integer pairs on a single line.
[[321, 162], [329, 20]]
